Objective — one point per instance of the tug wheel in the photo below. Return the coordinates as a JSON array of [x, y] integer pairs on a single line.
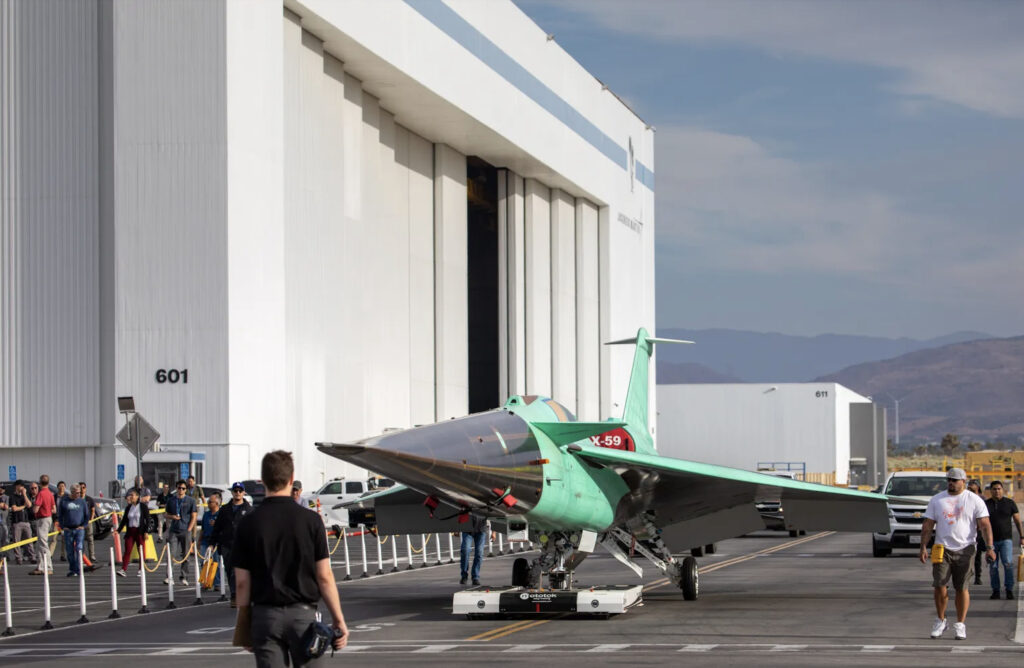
[[690, 583], [521, 573]]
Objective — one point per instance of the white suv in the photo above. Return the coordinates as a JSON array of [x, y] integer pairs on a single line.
[[905, 518]]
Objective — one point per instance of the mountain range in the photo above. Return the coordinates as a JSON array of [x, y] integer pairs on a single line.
[[966, 383], [729, 355]]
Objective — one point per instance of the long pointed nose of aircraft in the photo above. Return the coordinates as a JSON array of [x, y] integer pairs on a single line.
[[472, 460]]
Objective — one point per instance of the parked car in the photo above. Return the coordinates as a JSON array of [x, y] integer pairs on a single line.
[[771, 509], [255, 490], [222, 488], [906, 517], [339, 491]]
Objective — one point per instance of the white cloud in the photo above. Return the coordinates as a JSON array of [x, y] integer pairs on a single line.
[[966, 53]]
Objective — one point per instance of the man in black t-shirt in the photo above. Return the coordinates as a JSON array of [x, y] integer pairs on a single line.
[[282, 569], [1004, 514]]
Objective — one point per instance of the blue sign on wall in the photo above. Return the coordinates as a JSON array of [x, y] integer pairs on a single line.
[[120, 471], [12, 473], [184, 470]]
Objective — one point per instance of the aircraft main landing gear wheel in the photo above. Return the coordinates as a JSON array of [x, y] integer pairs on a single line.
[[521, 573], [690, 582]]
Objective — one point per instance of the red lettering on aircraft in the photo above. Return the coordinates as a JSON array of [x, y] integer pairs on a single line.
[[616, 439]]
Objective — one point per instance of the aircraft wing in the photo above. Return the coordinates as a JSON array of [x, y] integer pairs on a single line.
[[697, 504], [400, 510]]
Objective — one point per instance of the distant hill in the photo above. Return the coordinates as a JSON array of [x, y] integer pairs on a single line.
[[688, 372], [973, 389], [757, 357]]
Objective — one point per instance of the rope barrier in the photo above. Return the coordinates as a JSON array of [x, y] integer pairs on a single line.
[[425, 541], [159, 560], [337, 544], [383, 542], [184, 558]]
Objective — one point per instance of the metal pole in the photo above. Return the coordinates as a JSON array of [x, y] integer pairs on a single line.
[[408, 549], [195, 561], [451, 549], [142, 573], [423, 549], [46, 591], [170, 575], [9, 631], [114, 614], [380, 557], [362, 548], [437, 539], [501, 543], [490, 545], [223, 579], [394, 553], [348, 566], [81, 584]]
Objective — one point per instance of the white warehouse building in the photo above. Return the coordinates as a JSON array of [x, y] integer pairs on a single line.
[[824, 431], [279, 223]]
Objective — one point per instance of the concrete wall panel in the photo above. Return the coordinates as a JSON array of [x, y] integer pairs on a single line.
[[563, 299], [588, 311], [451, 295], [538, 288]]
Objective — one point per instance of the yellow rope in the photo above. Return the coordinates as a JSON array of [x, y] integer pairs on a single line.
[[424, 545], [158, 561], [383, 542], [184, 558], [340, 538]]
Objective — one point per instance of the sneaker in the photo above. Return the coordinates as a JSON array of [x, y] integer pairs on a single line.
[[977, 581], [960, 630], [62, 558], [184, 582], [1009, 594], [122, 572], [476, 582], [167, 581], [35, 572], [938, 628], [233, 604], [464, 580], [995, 595], [72, 575]]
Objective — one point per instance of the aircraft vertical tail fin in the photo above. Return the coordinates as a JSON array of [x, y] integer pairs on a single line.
[[636, 408]]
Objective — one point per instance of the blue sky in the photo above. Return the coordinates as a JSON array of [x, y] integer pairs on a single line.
[[847, 167]]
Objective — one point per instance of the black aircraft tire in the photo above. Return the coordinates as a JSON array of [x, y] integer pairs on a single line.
[[521, 573], [697, 551], [691, 579], [793, 533]]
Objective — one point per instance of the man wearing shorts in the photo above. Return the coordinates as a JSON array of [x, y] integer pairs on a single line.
[[956, 516]]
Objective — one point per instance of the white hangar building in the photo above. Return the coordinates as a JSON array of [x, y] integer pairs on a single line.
[[277, 223], [824, 431]]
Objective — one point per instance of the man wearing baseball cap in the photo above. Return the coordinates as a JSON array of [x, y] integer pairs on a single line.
[[224, 530], [955, 516]]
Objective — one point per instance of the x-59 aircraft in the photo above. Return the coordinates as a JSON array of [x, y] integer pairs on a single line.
[[573, 484]]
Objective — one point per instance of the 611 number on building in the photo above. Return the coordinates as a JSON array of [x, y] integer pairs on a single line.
[[172, 376]]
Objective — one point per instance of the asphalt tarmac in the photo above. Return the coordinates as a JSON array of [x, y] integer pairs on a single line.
[[765, 599]]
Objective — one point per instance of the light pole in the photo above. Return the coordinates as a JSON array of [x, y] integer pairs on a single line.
[[897, 403]]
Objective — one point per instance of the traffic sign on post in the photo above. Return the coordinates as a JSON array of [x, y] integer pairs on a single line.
[[12, 472], [139, 437], [183, 469], [120, 471]]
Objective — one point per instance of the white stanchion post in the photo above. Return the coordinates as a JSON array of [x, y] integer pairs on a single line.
[[223, 578], [501, 543], [81, 584], [46, 591], [380, 556], [362, 548], [114, 614], [423, 549], [490, 545], [348, 565], [199, 591], [437, 539], [451, 549], [408, 550], [170, 576], [9, 631], [142, 575], [394, 553]]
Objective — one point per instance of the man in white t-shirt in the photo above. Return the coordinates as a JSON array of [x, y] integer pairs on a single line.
[[956, 516]]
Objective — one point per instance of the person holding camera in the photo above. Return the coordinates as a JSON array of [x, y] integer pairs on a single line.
[[282, 569]]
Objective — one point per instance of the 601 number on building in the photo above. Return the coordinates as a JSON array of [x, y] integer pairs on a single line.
[[172, 375]]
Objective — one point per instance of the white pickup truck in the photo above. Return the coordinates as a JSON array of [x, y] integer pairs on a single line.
[[905, 519]]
